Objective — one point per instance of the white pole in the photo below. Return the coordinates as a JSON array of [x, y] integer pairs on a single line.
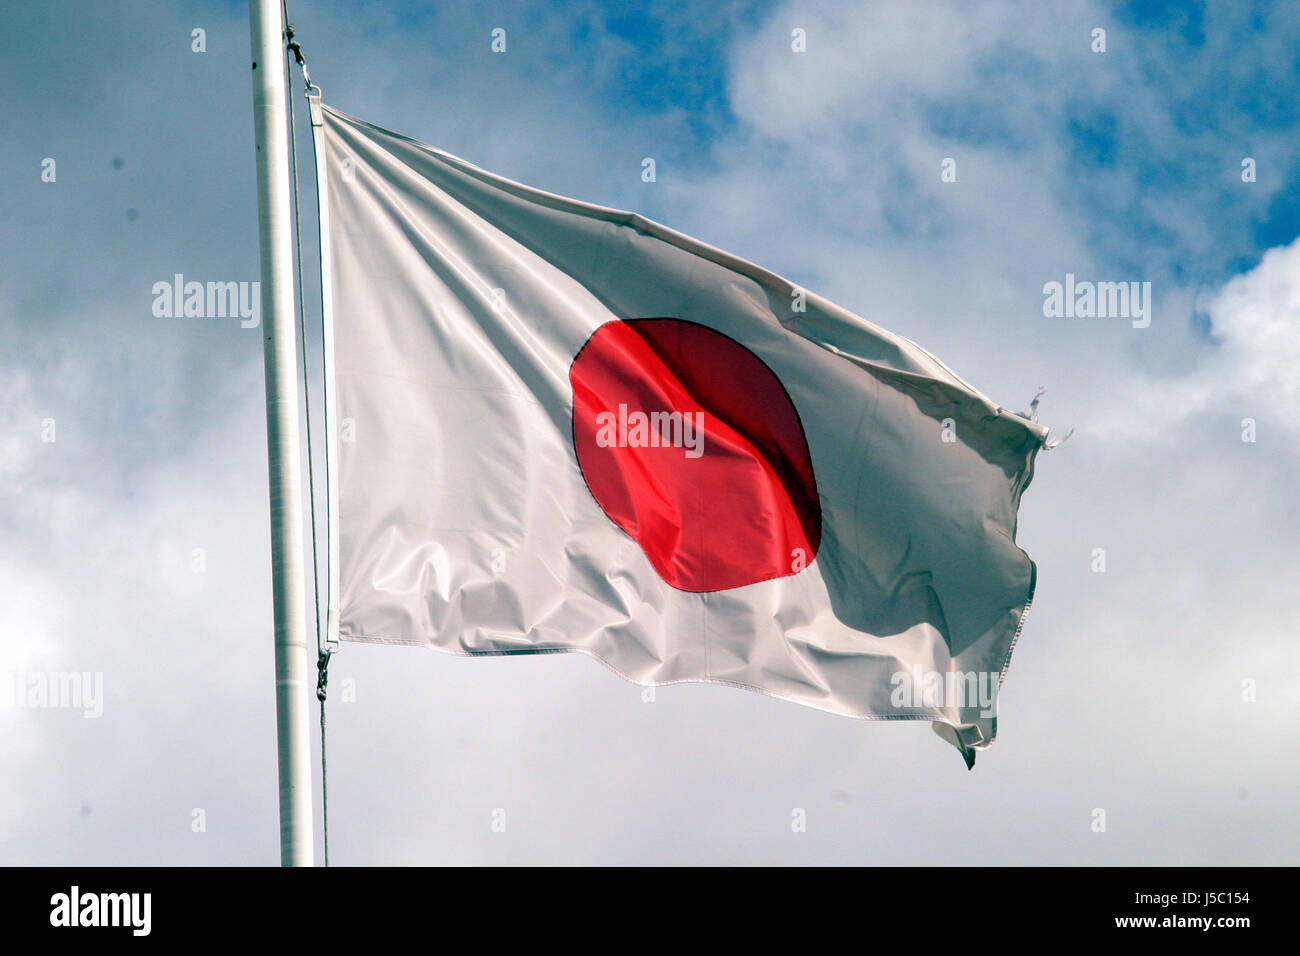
[[291, 675]]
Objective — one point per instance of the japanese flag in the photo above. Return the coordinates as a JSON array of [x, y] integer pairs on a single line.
[[559, 427]]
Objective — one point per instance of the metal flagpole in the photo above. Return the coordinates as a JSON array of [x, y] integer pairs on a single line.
[[278, 337]]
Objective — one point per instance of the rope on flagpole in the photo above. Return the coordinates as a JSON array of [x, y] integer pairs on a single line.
[[323, 653], [322, 679]]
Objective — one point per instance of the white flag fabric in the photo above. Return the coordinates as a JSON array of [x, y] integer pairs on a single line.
[[560, 427]]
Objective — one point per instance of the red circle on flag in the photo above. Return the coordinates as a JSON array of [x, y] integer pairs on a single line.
[[692, 446]]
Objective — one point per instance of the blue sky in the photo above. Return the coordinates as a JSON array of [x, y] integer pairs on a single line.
[[1126, 691]]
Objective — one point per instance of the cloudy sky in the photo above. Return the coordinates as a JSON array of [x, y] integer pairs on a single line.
[[134, 533]]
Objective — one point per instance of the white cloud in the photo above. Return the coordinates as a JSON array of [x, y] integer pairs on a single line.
[[1252, 370], [1257, 316]]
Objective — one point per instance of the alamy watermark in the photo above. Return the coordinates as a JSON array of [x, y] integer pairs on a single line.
[[945, 690], [54, 690], [1085, 299], [127, 910], [651, 430], [179, 299]]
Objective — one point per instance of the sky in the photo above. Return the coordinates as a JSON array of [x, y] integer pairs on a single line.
[[134, 530]]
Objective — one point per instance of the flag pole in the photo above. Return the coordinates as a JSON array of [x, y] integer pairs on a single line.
[[293, 727]]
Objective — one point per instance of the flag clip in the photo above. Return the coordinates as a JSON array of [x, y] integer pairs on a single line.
[[313, 104]]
